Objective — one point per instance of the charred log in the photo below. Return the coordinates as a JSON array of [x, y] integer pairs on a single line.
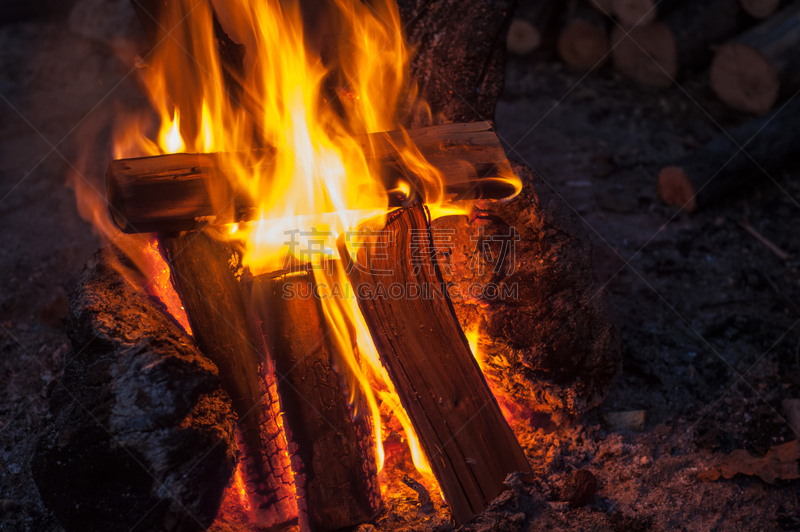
[[547, 342], [337, 467], [142, 435], [213, 299], [469, 444]]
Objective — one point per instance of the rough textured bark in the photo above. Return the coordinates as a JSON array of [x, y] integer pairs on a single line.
[[752, 71], [459, 60], [548, 344], [337, 473], [202, 273], [720, 168], [142, 435], [469, 445], [187, 191]]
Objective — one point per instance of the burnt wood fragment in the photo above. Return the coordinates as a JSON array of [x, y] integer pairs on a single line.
[[142, 435]]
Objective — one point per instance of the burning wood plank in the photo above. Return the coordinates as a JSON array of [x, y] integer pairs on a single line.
[[469, 444], [182, 192], [339, 484], [215, 305]]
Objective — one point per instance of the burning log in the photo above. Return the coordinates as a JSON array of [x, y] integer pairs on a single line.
[[659, 53], [339, 479], [469, 444], [214, 303], [142, 436], [720, 168], [753, 70], [583, 42], [543, 333], [181, 192]]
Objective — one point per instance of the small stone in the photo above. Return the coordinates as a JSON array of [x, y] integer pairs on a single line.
[[579, 488]]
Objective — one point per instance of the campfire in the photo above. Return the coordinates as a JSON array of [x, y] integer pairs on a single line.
[[291, 259]]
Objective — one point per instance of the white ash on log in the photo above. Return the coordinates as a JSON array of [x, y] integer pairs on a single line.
[[720, 168], [142, 435], [337, 470], [548, 344], [468, 443], [203, 274], [753, 70], [187, 191], [659, 53], [583, 41]]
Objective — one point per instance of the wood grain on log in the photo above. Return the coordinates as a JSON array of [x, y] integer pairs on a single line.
[[212, 296], [337, 476], [659, 53], [468, 443], [182, 192], [583, 42], [142, 435], [720, 168], [754, 69]]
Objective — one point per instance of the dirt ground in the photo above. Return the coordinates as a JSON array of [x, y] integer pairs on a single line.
[[708, 314]]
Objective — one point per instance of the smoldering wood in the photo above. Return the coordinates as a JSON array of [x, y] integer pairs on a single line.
[[141, 435], [758, 67], [720, 168], [545, 338], [181, 192], [202, 270], [583, 41], [469, 445], [337, 470], [659, 53]]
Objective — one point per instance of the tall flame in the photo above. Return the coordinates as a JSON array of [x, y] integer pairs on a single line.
[[291, 129]]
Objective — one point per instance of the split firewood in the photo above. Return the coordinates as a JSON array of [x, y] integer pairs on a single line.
[[721, 168], [337, 476], [468, 443], [659, 53], [583, 42], [752, 71], [141, 435], [760, 8], [184, 191], [536, 27], [225, 333]]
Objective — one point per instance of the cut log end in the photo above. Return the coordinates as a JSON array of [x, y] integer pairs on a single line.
[[522, 38], [675, 188], [631, 13], [582, 44], [744, 79], [760, 8], [647, 54]]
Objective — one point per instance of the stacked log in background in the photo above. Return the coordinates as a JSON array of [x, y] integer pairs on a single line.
[[747, 51]]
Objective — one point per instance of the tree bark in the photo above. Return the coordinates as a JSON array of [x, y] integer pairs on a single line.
[[214, 303], [660, 53], [142, 435], [182, 192], [337, 474], [752, 71], [469, 444], [720, 168]]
